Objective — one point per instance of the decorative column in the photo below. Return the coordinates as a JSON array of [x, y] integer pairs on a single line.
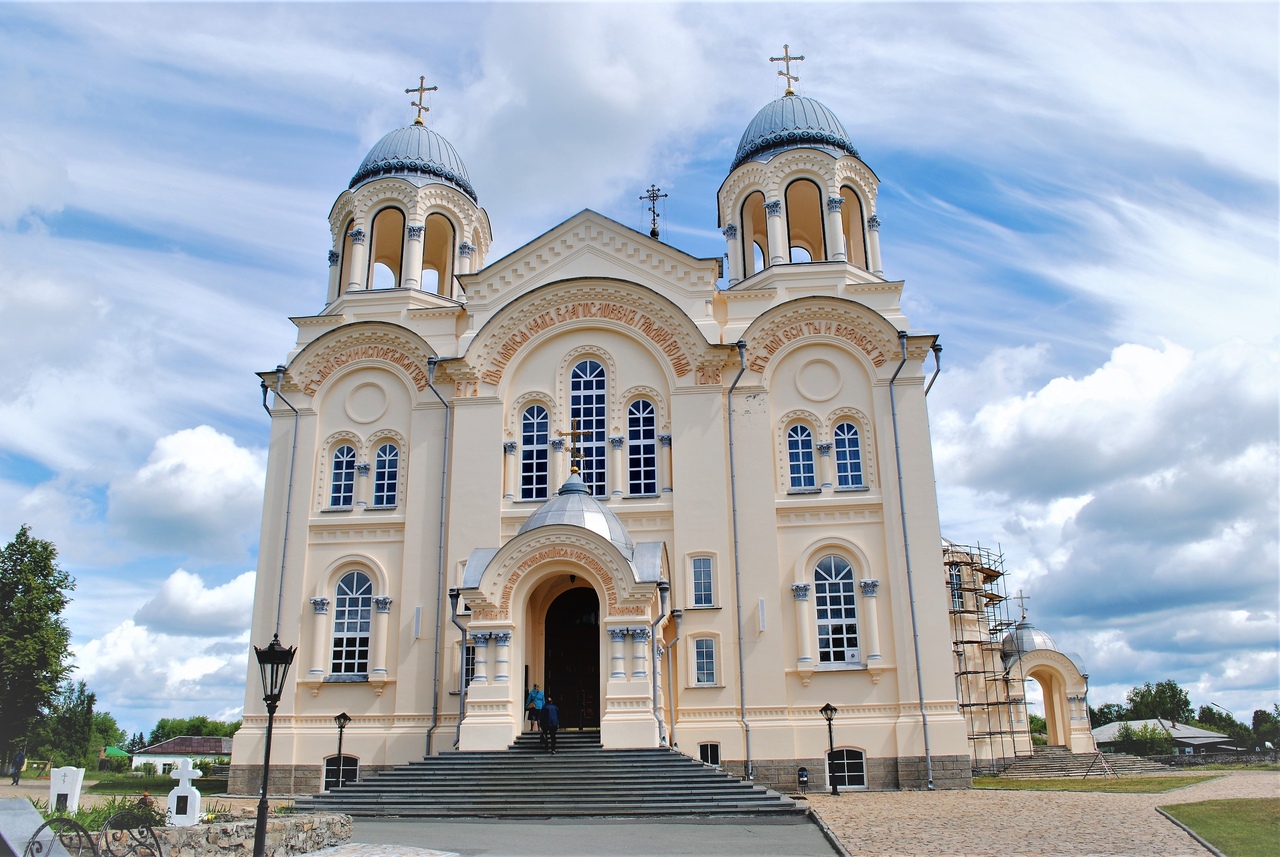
[[335, 271], [359, 261], [773, 226], [735, 253], [502, 664], [378, 645], [617, 663], [873, 239], [464, 257], [617, 475], [804, 628], [665, 466], [835, 229], [480, 640], [556, 475], [639, 652], [870, 622], [319, 634], [411, 266], [824, 452], [509, 469]]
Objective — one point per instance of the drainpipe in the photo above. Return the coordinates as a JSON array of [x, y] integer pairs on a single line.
[[444, 486], [676, 614], [454, 593], [664, 589], [937, 366], [288, 499], [737, 566], [906, 547]]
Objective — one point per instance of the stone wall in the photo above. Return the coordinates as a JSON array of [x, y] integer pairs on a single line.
[[883, 773], [246, 780], [286, 835], [1184, 761]]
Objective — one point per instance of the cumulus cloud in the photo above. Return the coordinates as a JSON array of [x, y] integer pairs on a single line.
[[198, 493], [185, 606]]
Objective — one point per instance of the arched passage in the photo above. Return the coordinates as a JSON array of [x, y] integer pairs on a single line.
[[572, 657]]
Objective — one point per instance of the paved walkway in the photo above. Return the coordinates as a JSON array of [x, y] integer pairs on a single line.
[[1005, 823]]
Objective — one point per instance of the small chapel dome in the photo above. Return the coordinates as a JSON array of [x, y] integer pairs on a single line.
[[1025, 638], [573, 504], [792, 122], [418, 154]]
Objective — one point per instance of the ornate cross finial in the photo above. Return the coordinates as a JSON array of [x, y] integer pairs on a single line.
[[1022, 602], [653, 194], [573, 434], [788, 59], [421, 89]]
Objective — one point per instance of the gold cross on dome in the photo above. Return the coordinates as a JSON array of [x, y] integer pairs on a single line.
[[788, 59], [1022, 602], [422, 89], [573, 434]]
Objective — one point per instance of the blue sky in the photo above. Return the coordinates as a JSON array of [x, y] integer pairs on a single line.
[[1082, 200]]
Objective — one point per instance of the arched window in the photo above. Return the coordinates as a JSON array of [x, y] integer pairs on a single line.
[[755, 234], [847, 769], [587, 391], [833, 589], [386, 475], [848, 456], [956, 581], [348, 243], [642, 451], [386, 249], [533, 453], [352, 618], [805, 221], [342, 487], [340, 770], [855, 237], [800, 456], [437, 254]]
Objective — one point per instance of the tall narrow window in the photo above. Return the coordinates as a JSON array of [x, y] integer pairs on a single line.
[[342, 488], [833, 588], [587, 414], [470, 669], [386, 475], [800, 456], [848, 456], [642, 451], [703, 592], [957, 587], [533, 453], [704, 656], [352, 616]]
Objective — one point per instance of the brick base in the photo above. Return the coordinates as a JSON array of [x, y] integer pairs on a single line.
[[246, 780], [883, 774]]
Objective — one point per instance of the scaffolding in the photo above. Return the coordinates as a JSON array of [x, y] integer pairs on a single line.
[[989, 696]]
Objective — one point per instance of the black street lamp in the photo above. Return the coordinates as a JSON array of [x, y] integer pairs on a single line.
[[274, 662], [342, 720], [829, 712]]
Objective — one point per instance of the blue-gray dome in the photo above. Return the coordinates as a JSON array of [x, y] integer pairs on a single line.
[[573, 504], [792, 122], [415, 152], [1025, 638]]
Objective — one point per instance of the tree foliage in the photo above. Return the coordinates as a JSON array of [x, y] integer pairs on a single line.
[[65, 734], [1146, 740], [34, 639], [174, 727], [1222, 721], [1266, 726], [1166, 700], [1108, 712]]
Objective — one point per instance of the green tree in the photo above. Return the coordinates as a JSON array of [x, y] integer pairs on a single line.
[[65, 734], [1146, 740], [1266, 726], [106, 732], [1108, 712], [1166, 700], [34, 639], [1221, 721], [174, 727], [136, 743]]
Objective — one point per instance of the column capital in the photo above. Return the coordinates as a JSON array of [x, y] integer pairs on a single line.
[[640, 634], [800, 591], [415, 232], [869, 587], [834, 203], [730, 232], [465, 250], [356, 236], [481, 638], [502, 638], [824, 448], [774, 207], [333, 258], [873, 223], [383, 603], [320, 604], [616, 442], [664, 439], [617, 634], [557, 444], [509, 447]]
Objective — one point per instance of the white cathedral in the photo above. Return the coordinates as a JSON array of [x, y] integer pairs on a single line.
[[696, 505]]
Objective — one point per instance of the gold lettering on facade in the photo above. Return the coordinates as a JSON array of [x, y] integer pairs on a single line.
[[764, 351], [386, 353]]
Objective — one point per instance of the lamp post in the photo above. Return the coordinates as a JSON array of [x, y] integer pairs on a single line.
[[342, 720], [274, 662], [829, 712], [454, 595]]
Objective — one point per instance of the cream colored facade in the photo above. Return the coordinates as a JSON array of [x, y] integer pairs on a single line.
[[740, 428]]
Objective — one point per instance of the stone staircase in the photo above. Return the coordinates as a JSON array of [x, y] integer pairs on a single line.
[[1051, 762], [581, 779]]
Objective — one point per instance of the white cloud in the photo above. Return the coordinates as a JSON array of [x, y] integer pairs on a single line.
[[198, 493], [183, 606], [30, 182]]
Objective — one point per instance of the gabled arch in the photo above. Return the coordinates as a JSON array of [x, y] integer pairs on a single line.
[[858, 329], [372, 343]]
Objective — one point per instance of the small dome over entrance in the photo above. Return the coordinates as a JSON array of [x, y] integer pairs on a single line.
[[573, 504], [416, 153], [1025, 638], [792, 122]]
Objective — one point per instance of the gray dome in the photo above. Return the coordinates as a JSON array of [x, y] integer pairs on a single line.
[[573, 504], [792, 122], [415, 152], [1025, 638]]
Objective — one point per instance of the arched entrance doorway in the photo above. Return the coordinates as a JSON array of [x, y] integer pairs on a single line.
[[572, 657]]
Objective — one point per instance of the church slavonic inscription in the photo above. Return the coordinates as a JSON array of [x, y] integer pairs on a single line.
[[366, 352], [660, 336], [764, 351]]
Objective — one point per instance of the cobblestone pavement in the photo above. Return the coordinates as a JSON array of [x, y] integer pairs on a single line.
[[357, 850], [1008, 823]]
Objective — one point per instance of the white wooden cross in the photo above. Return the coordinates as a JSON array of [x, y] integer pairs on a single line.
[[184, 800]]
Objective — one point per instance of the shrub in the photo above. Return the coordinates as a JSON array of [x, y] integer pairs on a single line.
[[1147, 740]]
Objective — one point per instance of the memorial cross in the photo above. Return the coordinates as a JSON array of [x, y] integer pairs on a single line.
[[421, 89], [788, 59]]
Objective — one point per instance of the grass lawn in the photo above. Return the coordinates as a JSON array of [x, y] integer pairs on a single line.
[[1243, 827], [154, 785], [1126, 785]]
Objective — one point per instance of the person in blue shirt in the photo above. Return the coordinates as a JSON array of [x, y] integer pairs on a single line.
[[533, 707], [550, 725]]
